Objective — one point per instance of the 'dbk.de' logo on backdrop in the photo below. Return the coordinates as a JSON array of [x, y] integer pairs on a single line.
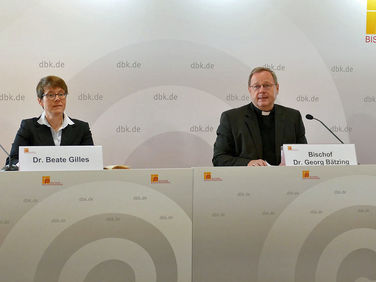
[[371, 22]]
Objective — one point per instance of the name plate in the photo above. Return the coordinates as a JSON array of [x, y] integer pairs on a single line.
[[319, 154], [49, 158]]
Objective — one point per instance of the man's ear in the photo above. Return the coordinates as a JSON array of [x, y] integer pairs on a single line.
[[249, 90]]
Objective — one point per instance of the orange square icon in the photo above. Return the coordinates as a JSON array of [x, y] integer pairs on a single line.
[[305, 174], [207, 175], [26, 150], [289, 148], [46, 180], [154, 178]]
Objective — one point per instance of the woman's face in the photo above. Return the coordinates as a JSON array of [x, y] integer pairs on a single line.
[[53, 105]]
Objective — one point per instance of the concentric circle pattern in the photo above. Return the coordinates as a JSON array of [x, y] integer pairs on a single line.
[[112, 229]]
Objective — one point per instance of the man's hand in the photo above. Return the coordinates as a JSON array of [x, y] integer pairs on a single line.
[[258, 162]]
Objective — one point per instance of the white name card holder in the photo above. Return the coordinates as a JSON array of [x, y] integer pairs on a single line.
[[52, 158], [319, 154]]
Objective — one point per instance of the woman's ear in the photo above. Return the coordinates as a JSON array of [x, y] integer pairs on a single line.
[[40, 101]]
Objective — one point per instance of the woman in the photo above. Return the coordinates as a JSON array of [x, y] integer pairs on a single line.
[[53, 127]]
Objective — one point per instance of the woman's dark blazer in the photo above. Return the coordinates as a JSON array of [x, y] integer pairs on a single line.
[[31, 133]]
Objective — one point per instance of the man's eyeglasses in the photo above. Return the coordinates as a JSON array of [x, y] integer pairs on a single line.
[[267, 86], [51, 96]]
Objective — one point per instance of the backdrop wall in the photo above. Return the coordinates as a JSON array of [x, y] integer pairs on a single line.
[[152, 77]]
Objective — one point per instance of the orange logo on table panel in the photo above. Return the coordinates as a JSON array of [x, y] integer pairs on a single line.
[[207, 175], [46, 180], [154, 178]]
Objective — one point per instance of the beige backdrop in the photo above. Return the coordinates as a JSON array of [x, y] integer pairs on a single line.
[[152, 77]]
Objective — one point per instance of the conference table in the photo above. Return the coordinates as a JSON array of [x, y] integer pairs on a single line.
[[200, 224]]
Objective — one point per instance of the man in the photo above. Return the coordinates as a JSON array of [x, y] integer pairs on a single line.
[[53, 126], [253, 134]]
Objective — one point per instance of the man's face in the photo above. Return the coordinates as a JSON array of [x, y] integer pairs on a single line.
[[263, 90], [55, 106]]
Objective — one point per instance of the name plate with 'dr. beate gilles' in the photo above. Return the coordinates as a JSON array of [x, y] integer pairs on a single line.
[[50, 158], [319, 154]]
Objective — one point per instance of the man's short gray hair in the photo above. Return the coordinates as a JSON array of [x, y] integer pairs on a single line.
[[261, 69]]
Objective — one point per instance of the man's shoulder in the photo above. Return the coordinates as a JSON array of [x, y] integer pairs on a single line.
[[238, 111], [290, 114], [286, 109]]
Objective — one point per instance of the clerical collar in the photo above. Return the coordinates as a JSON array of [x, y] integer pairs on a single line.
[[262, 113]]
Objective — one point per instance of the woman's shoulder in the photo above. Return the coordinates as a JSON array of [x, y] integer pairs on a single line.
[[30, 121], [78, 122]]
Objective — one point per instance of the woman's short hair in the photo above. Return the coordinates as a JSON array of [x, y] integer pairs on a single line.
[[50, 81]]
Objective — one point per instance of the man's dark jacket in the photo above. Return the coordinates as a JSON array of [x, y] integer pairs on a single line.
[[239, 138]]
